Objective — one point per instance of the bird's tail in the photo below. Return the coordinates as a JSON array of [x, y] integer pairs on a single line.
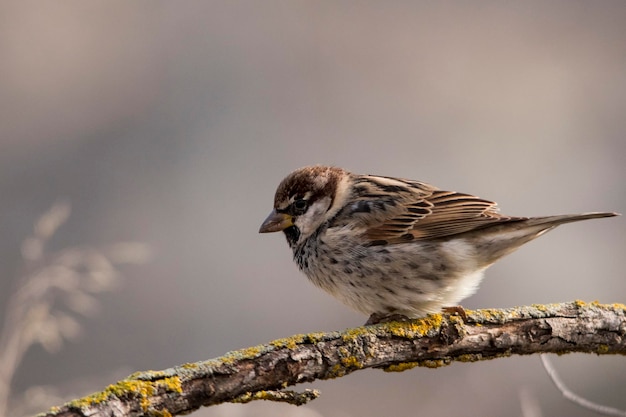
[[508, 236], [553, 221]]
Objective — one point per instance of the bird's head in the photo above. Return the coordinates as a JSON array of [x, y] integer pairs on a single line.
[[306, 199]]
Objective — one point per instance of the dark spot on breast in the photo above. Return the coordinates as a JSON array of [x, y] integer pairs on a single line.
[[427, 247], [378, 242], [441, 267], [390, 290], [407, 237], [412, 289], [333, 261], [413, 265], [384, 251], [347, 270], [387, 259], [430, 277]]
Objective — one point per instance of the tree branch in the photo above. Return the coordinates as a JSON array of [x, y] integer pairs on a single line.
[[262, 372]]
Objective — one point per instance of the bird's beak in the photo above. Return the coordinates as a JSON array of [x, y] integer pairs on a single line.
[[276, 222]]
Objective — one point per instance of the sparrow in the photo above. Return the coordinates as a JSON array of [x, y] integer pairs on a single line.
[[393, 247]]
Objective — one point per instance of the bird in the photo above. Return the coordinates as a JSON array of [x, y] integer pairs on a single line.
[[395, 248]]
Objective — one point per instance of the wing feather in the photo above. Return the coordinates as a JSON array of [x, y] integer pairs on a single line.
[[395, 210]]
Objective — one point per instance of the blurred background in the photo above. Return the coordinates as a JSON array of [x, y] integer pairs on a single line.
[[171, 124]]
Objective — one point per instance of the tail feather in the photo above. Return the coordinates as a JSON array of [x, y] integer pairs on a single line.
[[566, 218], [500, 240]]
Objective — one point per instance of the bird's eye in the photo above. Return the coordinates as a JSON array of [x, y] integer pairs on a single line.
[[300, 204]]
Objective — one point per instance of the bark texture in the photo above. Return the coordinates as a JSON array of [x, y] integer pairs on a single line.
[[264, 371]]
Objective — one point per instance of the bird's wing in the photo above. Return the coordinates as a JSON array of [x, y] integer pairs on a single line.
[[394, 210]]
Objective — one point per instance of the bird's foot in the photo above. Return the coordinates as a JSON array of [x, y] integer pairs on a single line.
[[456, 310], [376, 318]]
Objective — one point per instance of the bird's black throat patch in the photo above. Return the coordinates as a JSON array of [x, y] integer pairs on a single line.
[[292, 233]]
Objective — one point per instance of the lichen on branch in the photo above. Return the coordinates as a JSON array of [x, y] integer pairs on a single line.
[[264, 371]]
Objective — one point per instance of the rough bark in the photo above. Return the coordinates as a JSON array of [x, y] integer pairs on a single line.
[[264, 371]]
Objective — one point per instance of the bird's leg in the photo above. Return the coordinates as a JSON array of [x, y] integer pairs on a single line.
[[376, 318], [456, 310]]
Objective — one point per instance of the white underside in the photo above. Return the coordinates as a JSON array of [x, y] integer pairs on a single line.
[[395, 287]]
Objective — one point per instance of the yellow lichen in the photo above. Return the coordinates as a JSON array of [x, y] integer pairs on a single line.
[[281, 396], [469, 357], [602, 349], [141, 389], [315, 337], [618, 306], [247, 353], [336, 371], [343, 351], [251, 396], [288, 342], [431, 324], [492, 315], [171, 384], [401, 367], [433, 363], [137, 388], [160, 413], [352, 334], [351, 362]]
